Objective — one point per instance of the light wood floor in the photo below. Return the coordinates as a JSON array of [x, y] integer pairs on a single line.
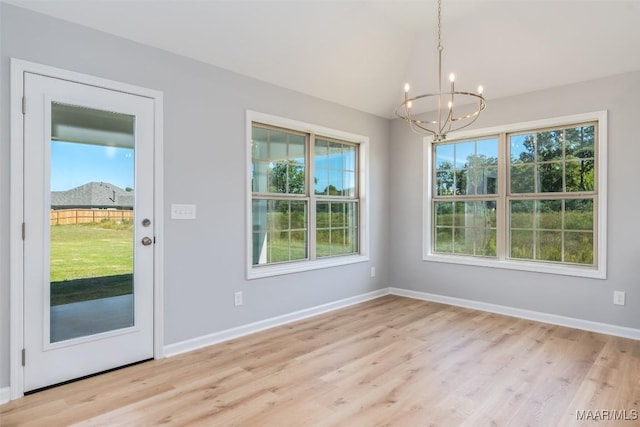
[[391, 361]]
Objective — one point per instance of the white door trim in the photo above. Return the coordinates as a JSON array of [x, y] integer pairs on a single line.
[[16, 207]]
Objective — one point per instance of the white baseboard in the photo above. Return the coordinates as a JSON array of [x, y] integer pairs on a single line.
[[229, 334], [218, 337], [587, 325], [5, 394]]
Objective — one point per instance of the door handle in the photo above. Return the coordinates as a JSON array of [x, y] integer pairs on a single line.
[[146, 241]]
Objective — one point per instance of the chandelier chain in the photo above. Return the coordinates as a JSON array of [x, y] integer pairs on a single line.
[[439, 25]]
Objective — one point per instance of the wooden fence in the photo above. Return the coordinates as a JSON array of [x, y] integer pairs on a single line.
[[84, 216]]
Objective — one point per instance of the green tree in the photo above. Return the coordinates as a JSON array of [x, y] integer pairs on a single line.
[[445, 177], [331, 190], [287, 178], [580, 144]]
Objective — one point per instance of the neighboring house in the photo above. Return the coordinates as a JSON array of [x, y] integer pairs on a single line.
[[93, 195]]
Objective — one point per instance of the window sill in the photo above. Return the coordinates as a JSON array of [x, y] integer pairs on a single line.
[[532, 266], [256, 272]]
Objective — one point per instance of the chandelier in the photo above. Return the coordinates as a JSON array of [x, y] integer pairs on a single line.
[[446, 120]]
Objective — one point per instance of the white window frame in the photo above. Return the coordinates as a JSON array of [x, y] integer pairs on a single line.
[[598, 272], [255, 272]]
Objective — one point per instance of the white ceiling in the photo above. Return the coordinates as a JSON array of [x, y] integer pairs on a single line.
[[360, 53]]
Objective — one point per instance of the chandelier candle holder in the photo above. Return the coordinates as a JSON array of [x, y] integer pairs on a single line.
[[446, 120]]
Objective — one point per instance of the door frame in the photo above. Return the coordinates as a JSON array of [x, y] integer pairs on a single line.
[[16, 207]]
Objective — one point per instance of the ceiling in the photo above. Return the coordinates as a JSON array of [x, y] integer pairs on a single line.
[[360, 53]]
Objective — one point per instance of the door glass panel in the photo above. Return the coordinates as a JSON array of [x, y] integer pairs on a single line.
[[91, 221]]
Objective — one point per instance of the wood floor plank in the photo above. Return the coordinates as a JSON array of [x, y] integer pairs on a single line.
[[391, 361]]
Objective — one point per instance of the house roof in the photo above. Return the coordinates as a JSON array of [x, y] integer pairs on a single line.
[[93, 195], [359, 53]]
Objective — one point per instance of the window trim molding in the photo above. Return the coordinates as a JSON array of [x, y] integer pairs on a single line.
[[599, 272], [253, 272]]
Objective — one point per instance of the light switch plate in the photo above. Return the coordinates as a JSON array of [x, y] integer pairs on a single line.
[[183, 211]]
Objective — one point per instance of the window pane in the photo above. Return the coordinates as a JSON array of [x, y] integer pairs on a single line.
[[578, 214], [459, 214], [335, 183], [444, 156], [488, 244], [296, 147], [481, 181], [323, 243], [549, 214], [259, 174], [444, 213], [349, 189], [321, 181], [278, 147], [522, 148], [298, 245], [578, 247], [279, 231], [580, 142], [464, 152], [522, 178], [487, 150], [580, 175], [323, 216], [259, 155], [490, 181], [521, 214], [549, 177], [287, 177], [444, 240], [444, 183], [337, 228], [549, 146], [549, 245], [335, 168], [349, 157], [462, 241], [335, 155], [521, 244], [461, 182]]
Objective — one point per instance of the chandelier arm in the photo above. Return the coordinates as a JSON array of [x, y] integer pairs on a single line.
[[447, 122], [475, 117], [450, 122], [481, 106], [453, 94]]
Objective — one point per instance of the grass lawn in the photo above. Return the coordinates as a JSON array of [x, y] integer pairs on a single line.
[[90, 261]]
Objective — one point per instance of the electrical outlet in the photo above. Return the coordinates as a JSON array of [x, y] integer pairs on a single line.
[[238, 298], [373, 272], [618, 297]]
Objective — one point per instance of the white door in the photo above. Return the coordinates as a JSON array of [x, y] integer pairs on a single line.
[[89, 230]]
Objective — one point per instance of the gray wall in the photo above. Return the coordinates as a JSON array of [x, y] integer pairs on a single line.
[[588, 299], [204, 134]]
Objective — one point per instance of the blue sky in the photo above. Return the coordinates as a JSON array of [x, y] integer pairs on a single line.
[[75, 164]]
